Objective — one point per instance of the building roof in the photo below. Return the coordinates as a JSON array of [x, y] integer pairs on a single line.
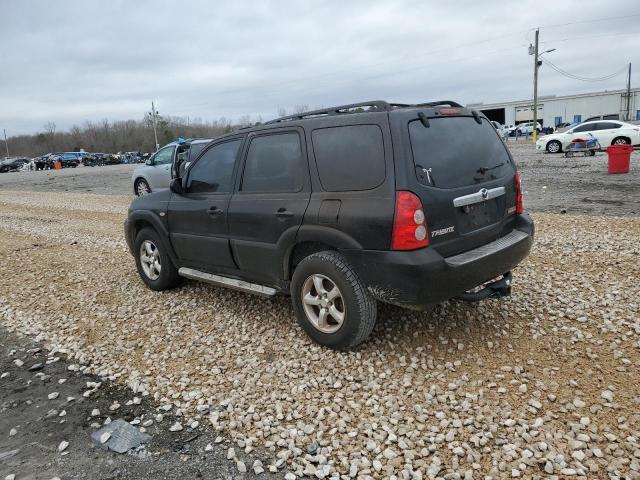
[[550, 97]]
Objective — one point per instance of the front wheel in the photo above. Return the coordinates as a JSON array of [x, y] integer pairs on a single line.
[[153, 262], [554, 146], [330, 301], [142, 187]]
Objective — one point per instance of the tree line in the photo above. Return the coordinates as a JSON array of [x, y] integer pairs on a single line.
[[127, 135], [119, 136]]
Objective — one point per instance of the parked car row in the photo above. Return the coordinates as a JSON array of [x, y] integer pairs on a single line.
[[70, 160]]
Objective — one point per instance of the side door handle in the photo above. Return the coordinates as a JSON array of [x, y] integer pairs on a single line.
[[283, 213], [214, 211]]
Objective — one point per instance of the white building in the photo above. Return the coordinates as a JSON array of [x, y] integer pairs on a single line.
[[553, 110]]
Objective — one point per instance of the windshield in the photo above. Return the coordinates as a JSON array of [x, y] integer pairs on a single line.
[[457, 151]]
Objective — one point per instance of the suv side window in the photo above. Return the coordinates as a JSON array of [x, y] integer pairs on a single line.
[[274, 163], [349, 157], [164, 156], [214, 169]]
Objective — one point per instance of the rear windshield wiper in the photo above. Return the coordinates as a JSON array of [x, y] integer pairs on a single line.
[[483, 170]]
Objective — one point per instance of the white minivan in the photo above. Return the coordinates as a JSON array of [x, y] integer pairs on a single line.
[[162, 166]]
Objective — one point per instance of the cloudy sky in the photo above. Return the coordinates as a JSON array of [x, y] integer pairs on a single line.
[[72, 61]]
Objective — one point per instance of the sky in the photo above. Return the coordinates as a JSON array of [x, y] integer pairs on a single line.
[[71, 61]]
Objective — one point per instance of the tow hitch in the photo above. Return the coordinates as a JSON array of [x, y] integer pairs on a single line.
[[498, 289]]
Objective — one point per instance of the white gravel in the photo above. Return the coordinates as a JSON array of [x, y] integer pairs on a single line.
[[544, 383]]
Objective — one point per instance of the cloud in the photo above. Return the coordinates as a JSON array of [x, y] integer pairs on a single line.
[[73, 61]]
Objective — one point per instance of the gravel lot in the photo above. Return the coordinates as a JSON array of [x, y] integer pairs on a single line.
[[540, 385]]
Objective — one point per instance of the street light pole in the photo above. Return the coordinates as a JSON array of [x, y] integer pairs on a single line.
[[5, 141], [535, 88]]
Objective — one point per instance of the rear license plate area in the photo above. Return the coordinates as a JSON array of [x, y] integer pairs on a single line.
[[478, 215]]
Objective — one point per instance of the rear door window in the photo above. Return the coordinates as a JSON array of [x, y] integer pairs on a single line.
[[457, 151], [274, 163], [349, 157]]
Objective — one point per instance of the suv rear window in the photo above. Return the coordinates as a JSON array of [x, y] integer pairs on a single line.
[[453, 150], [349, 157]]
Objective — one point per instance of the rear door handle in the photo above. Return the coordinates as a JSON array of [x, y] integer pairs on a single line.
[[214, 211], [283, 213]]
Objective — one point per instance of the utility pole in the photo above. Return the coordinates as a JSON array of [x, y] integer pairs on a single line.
[[628, 114], [5, 141], [153, 117], [536, 64]]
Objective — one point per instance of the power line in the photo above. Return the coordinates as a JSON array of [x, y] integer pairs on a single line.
[[583, 79], [593, 20]]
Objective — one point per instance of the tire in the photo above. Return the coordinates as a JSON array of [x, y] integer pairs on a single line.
[[356, 304], [147, 244], [554, 146], [620, 141], [142, 187]]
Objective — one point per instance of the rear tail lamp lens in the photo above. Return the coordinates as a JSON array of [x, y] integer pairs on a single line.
[[409, 225], [519, 205]]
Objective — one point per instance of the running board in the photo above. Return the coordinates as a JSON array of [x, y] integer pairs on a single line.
[[228, 282]]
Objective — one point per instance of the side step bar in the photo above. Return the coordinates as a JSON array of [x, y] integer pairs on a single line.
[[228, 282]]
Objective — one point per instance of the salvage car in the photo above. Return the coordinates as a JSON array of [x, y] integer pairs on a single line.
[[12, 164], [340, 208], [607, 132], [162, 166]]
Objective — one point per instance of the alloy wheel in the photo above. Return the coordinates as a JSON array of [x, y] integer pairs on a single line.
[[323, 303], [142, 188], [150, 260]]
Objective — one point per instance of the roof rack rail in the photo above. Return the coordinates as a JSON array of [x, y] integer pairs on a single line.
[[376, 105]]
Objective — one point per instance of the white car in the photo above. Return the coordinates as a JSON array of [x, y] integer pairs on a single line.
[[608, 132], [168, 162], [527, 128]]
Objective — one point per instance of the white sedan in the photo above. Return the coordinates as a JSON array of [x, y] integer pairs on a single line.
[[608, 132]]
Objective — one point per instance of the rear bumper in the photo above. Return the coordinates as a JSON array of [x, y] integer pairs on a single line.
[[421, 278]]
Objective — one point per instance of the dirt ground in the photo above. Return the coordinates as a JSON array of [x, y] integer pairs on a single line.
[[43, 423]]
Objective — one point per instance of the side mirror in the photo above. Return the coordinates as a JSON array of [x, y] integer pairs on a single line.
[[176, 186], [149, 161]]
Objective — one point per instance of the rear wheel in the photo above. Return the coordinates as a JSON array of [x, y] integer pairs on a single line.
[[554, 146], [330, 301], [142, 187], [153, 262], [620, 141]]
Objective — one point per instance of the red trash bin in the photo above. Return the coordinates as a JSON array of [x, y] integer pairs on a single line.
[[619, 158]]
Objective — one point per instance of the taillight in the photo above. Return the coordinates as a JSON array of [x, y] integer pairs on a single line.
[[409, 225], [449, 111], [519, 205]]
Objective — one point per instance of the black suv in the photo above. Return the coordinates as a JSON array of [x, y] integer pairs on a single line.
[[405, 204]]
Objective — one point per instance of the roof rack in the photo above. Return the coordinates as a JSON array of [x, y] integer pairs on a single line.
[[374, 105]]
